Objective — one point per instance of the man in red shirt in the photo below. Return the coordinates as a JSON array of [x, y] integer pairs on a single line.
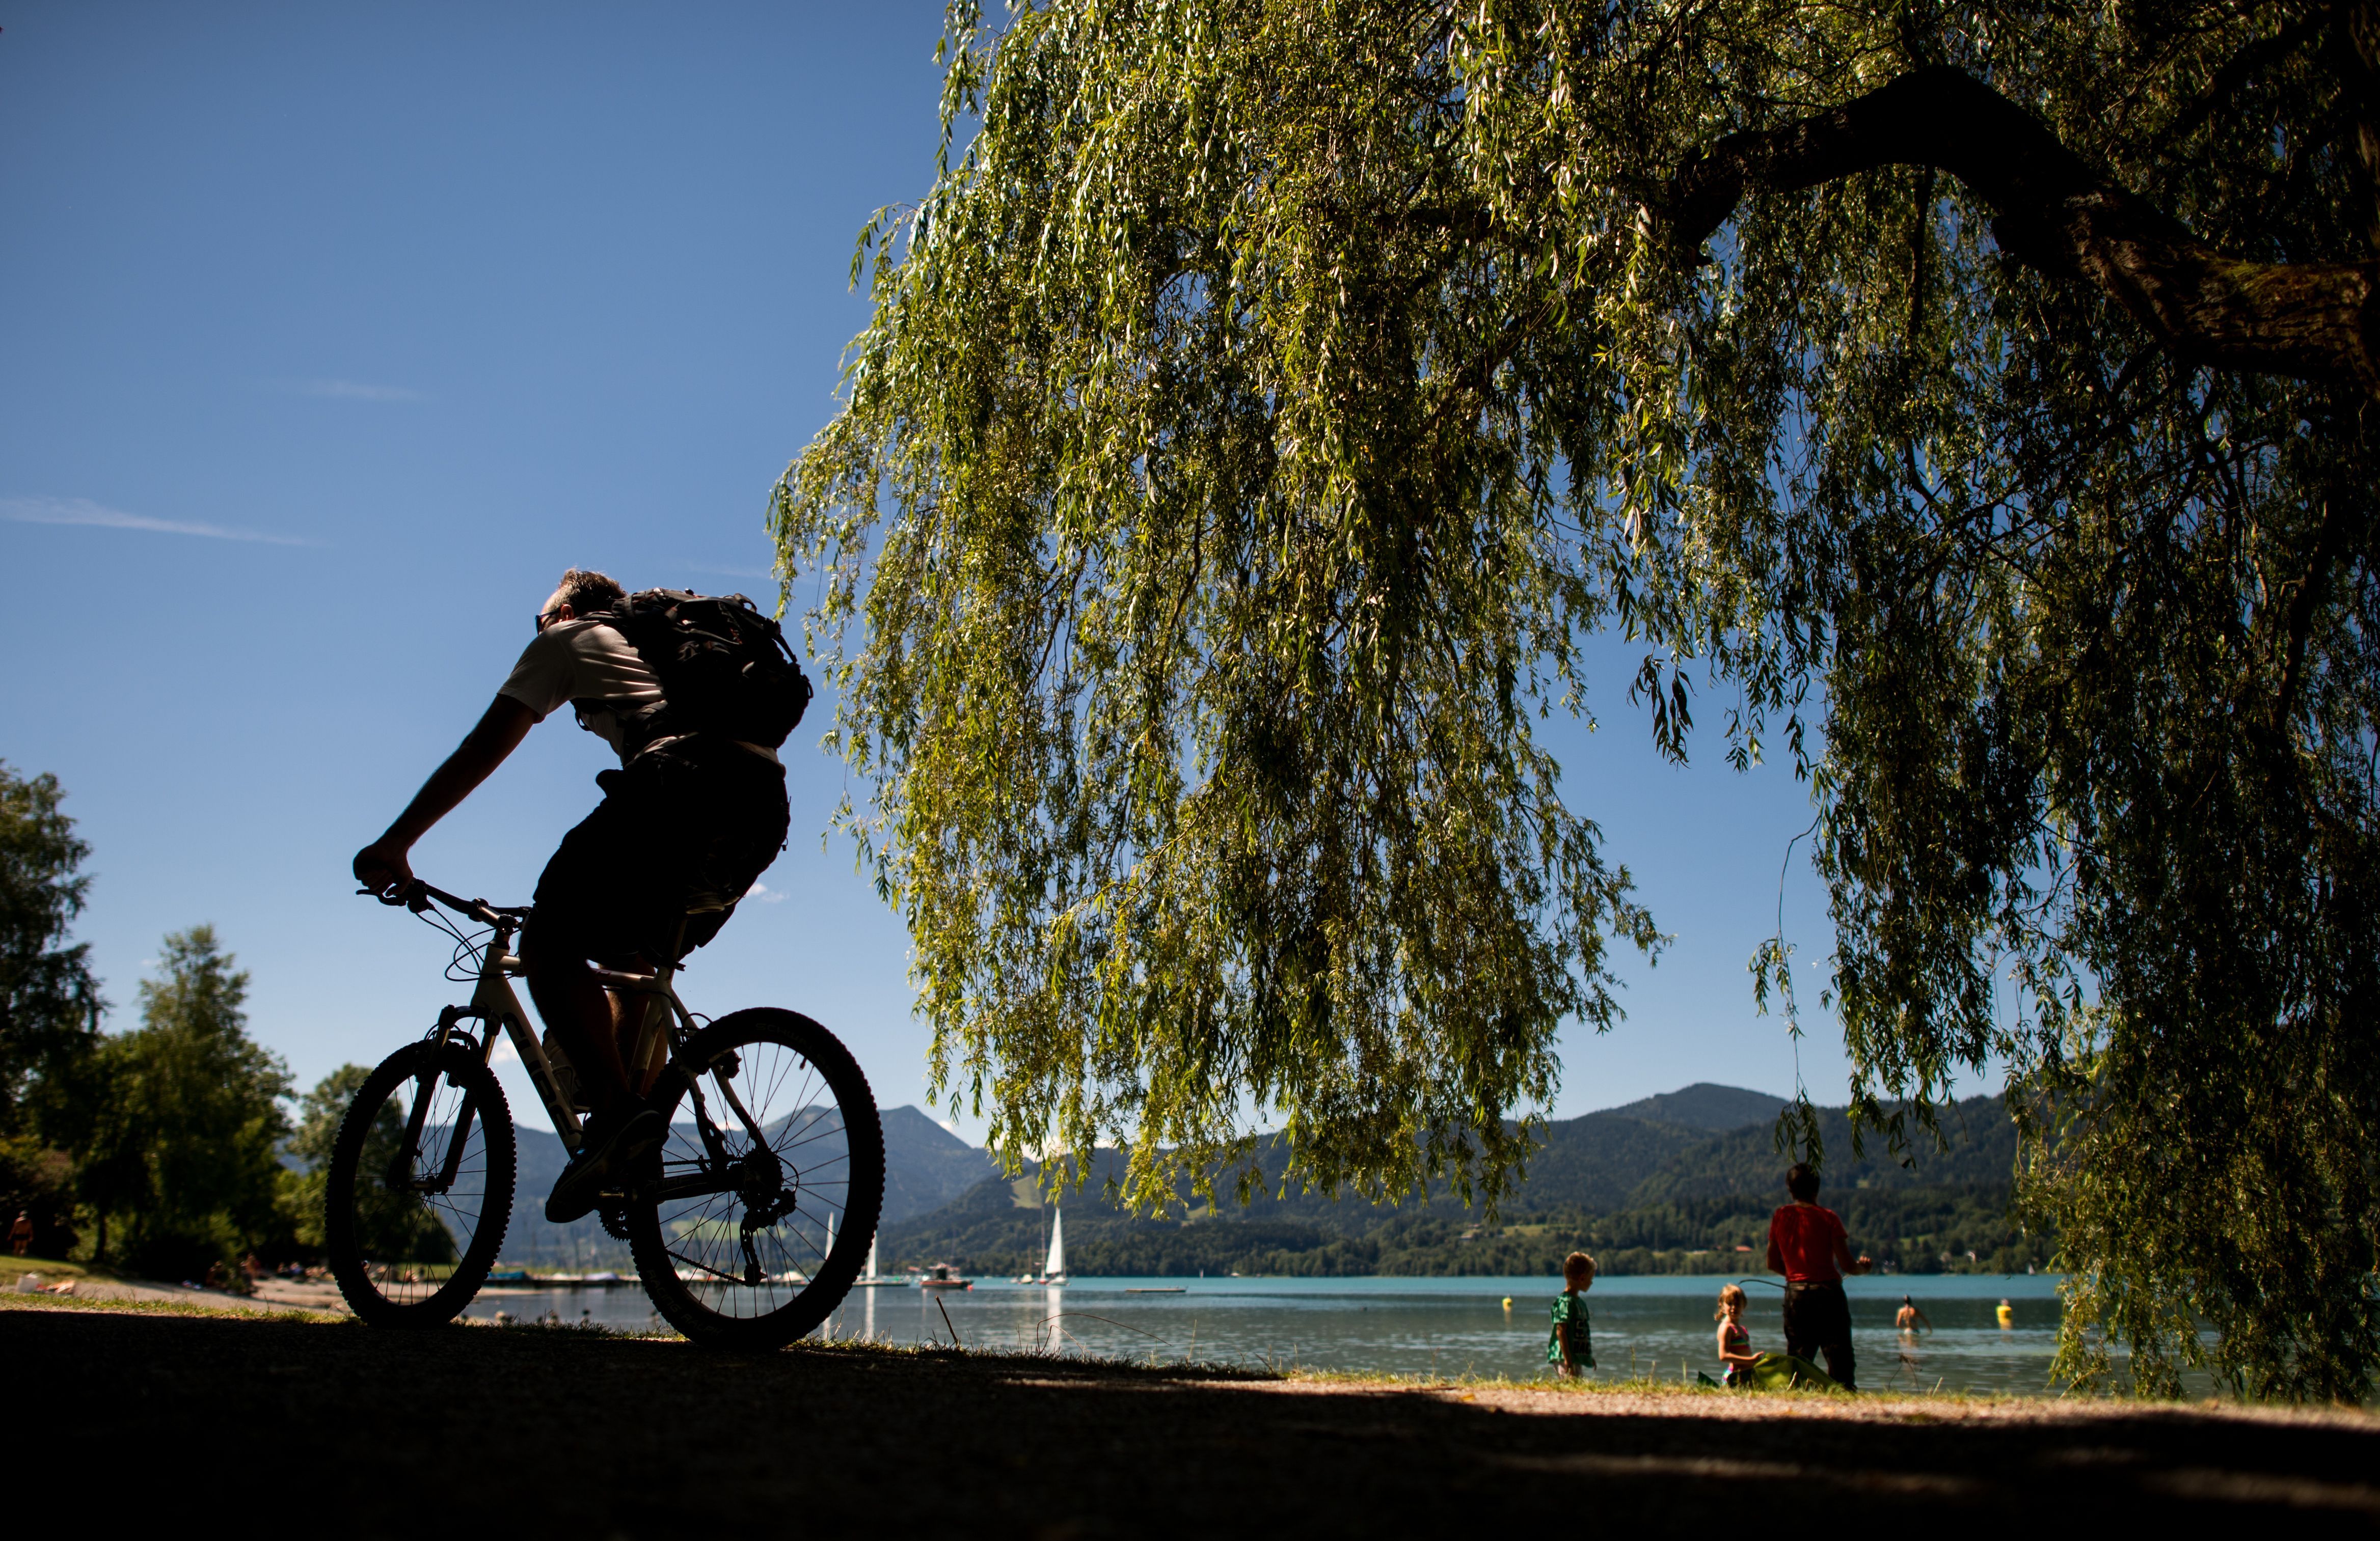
[[1807, 1244]]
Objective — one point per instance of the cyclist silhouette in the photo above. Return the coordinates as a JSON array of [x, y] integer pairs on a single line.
[[688, 823]]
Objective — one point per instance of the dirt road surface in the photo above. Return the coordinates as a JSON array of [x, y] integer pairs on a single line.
[[340, 1429]]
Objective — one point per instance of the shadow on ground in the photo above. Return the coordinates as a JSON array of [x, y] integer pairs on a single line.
[[342, 1429]]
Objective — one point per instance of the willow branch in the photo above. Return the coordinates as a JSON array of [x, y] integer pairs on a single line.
[[2057, 213]]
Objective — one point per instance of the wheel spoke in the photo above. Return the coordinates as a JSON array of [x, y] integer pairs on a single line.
[[793, 1168]]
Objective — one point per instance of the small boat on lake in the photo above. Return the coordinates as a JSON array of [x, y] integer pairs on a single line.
[[939, 1276], [1053, 1267]]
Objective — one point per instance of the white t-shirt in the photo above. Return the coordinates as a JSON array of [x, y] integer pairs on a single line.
[[591, 663], [586, 661]]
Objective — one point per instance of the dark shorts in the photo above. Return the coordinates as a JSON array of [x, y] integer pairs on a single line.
[[1818, 1321], [686, 826]]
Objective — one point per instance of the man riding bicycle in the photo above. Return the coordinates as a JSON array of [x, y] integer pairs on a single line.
[[694, 814]]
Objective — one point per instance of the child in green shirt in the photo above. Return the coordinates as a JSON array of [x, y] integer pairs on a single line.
[[1571, 1347]]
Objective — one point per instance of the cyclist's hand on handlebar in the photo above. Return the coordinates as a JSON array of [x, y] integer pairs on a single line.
[[383, 868]]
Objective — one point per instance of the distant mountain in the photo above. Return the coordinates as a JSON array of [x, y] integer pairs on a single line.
[[1703, 1106], [1596, 1161], [1649, 1186], [1983, 1149], [1646, 1194], [529, 1238], [926, 1166]]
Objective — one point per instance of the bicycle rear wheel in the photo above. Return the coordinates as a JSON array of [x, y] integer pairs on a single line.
[[421, 1187], [773, 1148]]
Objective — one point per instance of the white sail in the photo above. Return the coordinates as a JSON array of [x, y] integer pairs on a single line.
[[830, 1239], [872, 1259], [1055, 1267]]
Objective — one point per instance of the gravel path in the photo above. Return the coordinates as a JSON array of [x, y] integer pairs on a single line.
[[553, 1432]]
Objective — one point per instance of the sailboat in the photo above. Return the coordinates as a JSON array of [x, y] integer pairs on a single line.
[[1054, 1269], [874, 1276]]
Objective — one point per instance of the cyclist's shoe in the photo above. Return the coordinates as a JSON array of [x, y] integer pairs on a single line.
[[612, 1146]]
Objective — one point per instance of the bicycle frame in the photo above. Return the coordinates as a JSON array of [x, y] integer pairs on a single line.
[[665, 1024]]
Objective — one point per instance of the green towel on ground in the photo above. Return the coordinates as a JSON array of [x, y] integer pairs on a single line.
[[1777, 1372], [1783, 1372]]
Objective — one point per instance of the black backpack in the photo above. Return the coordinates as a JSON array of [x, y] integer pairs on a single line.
[[724, 668]]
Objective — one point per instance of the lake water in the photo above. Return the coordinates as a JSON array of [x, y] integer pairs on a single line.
[[1659, 1325]]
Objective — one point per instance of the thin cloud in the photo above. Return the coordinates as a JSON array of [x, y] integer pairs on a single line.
[[356, 390], [82, 511], [766, 895]]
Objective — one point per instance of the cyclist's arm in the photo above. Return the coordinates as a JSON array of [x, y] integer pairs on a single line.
[[382, 866]]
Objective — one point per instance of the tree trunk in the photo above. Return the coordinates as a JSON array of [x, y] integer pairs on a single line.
[[2055, 214]]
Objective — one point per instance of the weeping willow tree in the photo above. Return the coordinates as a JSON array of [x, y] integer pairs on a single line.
[[1268, 399]]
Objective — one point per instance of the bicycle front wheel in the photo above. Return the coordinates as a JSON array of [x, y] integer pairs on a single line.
[[421, 1187], [751, 1223]]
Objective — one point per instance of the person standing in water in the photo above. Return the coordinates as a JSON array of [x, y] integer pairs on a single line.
[[1808, 1246], [2006, 1315], [1909, 1320], [1571, 1347]]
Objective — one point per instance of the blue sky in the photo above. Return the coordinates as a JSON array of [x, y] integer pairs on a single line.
[[334, 332]]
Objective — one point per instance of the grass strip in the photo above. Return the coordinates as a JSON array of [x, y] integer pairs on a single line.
[[12, 1300]]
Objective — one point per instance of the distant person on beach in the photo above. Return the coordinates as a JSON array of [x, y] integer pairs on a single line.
[[1735, 1338], [1571, 1347], [1808, 1246], [20, 1235]]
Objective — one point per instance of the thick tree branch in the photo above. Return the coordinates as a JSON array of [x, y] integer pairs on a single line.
[[2243, 67], [2057, 213]]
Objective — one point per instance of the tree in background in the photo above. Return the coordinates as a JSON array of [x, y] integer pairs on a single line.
[[49, 1003], [300, 1195], [185, 1124], [389, 1224], [1258, 412]]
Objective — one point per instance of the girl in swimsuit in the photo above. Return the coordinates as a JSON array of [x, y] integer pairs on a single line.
[[1735, 1338]]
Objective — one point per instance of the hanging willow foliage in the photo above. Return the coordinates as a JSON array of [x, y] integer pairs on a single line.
[[1267, 399]]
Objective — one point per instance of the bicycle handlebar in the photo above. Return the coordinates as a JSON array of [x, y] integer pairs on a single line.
[[416, 895]]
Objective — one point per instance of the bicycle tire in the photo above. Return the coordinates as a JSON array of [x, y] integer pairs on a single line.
[[353, 1186], [782, 1056]]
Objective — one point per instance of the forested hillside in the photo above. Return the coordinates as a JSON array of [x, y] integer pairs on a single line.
[[1644, 1194], [926, 1166], [1983, 1149]]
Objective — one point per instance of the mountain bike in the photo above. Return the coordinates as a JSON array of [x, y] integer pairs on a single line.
[[747, 1226]]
